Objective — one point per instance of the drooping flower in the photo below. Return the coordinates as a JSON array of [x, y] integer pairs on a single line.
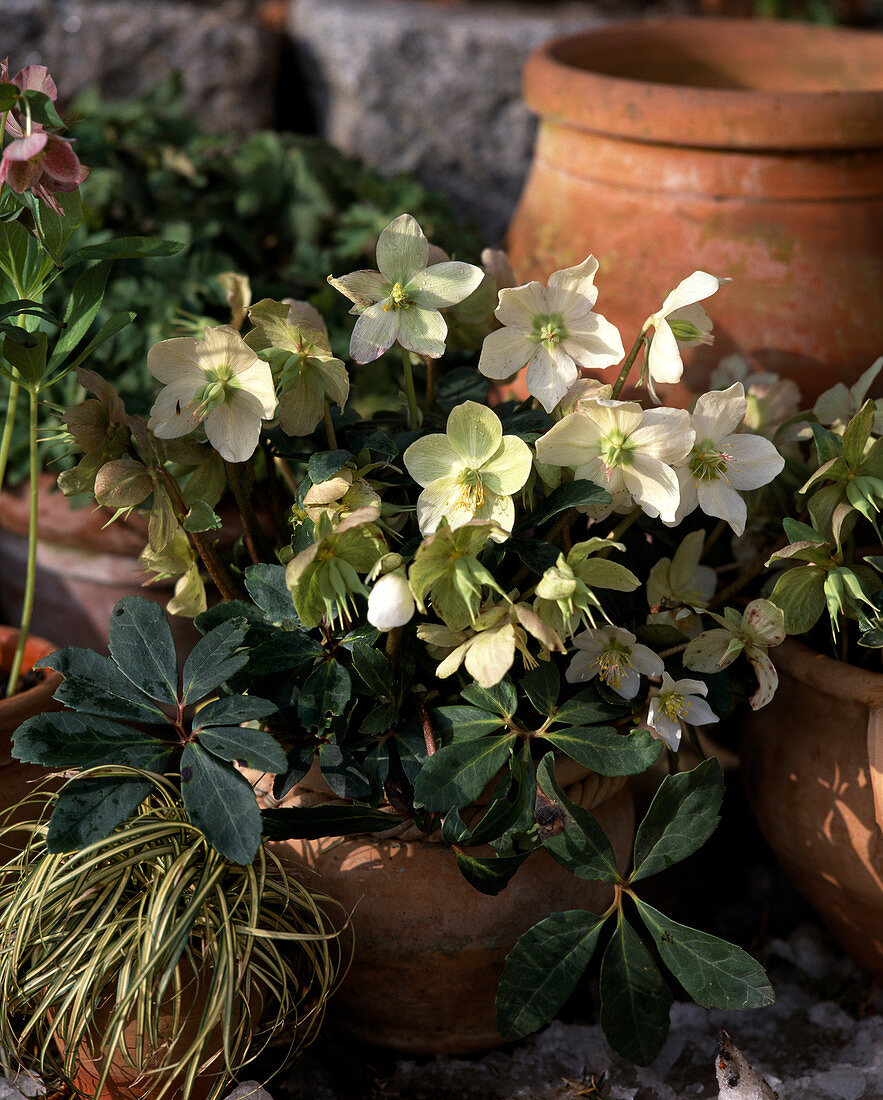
[[680, 321], [628, 452], [390, 601], [446, 570], [293, 338], [339, 495], [178, 559], [762, 625], [838, 405], [678, 701], [470, 472], [401, 302], [552, 331], [565, 594], [36, 160], [218, 382], [678, 586], [724, 460], [616, 657]]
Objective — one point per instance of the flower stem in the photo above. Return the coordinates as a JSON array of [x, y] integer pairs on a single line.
[[629, 362], [329, 428], [255, 543], [6, 441], [429, 399], [413, 413], [31, 575]]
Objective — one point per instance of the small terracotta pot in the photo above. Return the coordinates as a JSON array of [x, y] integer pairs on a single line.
[[430, 949], [813, 766], [747, 148]]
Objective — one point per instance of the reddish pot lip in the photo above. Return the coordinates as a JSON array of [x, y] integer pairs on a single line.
[[836, 678], [715, 83], [36, 699]]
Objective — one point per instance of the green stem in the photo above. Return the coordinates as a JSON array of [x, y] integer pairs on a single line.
[[429, 398], [329, 428], [255, 542], [31, 575], [629, 362], [413, 413], [6, 441]]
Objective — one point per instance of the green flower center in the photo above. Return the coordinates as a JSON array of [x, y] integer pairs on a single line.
[[708, 462], [218, 390], [615, 450], [672, 704], [613, 662], [398, 299], [549, 329], [471, 490]]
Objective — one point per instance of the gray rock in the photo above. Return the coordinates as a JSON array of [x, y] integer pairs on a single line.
[[248, 1090]]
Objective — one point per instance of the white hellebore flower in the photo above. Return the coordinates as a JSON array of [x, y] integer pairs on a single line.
[[838, 405], [724, 460], [470, 472], [401, 301], [616, 656], [625, 450], [681, 320], [218, 382], [552, 331], [678, 700], [390, 601]]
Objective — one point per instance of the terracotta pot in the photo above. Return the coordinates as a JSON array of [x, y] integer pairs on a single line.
[[748, 148], [83, 567], [430, 949], [813, 765]]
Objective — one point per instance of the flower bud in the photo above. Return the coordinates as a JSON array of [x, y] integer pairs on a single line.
[[391, 602]]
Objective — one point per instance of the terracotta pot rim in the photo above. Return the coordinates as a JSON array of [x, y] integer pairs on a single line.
[[835, 678], [627, 80]]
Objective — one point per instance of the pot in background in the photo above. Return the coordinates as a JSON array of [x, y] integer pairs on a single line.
[[813, 766], [747, 148]]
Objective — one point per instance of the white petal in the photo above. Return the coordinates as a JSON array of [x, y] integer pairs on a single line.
[[258, 381], [613, 416], [375, 332], [402, 250], [754, 462], [689, 501], [504, 352], [653, 485], [500, 509], [767, 677], [688, 687], [519, 305], [491, 654], [583, 667], [572, 290], [719, 413], [669, 730], [432, 457], [665, 434], [438, 500], [509, 467], [664, 359], [232, 431], [698, 712], [422, 331], [174, 360], [573, 441], [644, 660], [550, 374], [720, 499], [698, 318], [475, 432], [362, 287], [444, 284], [174, 411], [628, 683], [694, 288], [594, 342], [390, 602]]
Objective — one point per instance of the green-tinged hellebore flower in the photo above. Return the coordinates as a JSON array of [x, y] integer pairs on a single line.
[[678, 701], [324, 578], [293, 338], [680, 321], [470, 472], [724, 460], [401, 302], [218, 382], [338, 496], [488, 649], [838, 405], [446, 571], [678, 586], [391, 601], [761, 626], [628, 452], [614, 655], [553, 332], [178, 559], [565, 596]]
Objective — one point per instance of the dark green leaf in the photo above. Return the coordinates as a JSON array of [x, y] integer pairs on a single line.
[[542, 687], [91, 808], [513, 800], [488, 874], [682, 816], [501, 698], [573, 494], [537, 555], [828, 445], [324, 695], [69, 740], [297, 763], [605, 750], [586, 709], [231, 710], [342, 773], [375, 668], [325, 464], [464, 723], [459, 385], [94, 685], [143, 648], [110, 328], [214, 659], [458, 773], [379, 720], [81, 310], [9, 94], [542, 970], [253, 748], [201, 517], [715, 973], [315, 822], [128, 248], [266, 586], [221, 802], [583, 847], [635, 1001]]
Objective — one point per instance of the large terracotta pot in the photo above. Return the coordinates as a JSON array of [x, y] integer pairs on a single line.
[[430, 949], [748, 148], [813, 766], [83, 567]]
